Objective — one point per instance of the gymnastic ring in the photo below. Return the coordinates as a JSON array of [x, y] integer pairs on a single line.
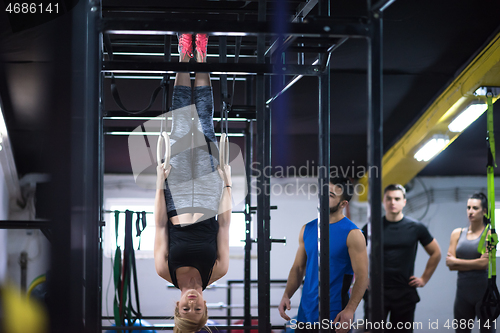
[[163, 144], [223, 150]]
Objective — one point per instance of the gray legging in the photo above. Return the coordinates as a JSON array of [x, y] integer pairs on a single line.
[[470, 291], [194, 184]]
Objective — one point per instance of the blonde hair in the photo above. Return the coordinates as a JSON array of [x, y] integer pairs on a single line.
[[184, 325]]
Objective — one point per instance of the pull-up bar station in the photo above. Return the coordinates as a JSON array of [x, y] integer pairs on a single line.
[[111, 36]]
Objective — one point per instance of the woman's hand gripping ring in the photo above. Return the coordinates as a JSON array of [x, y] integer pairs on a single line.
[[223, 151], [163, 144]]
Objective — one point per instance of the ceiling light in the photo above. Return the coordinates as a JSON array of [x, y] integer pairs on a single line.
[[158, 133], [483, 91], [139, 32], [132, 133], [431, 148], [467, 117], [161, 54], [161, 118], [234, 34]]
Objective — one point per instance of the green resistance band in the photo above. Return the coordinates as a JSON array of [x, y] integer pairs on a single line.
[[490, 240], [492, 237]]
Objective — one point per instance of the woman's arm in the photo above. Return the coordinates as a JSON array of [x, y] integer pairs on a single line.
[[225, 205], [456, 264], [224, 218], [468, 264], [161, 233]]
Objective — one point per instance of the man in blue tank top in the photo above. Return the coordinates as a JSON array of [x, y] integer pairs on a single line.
[[347, 257]]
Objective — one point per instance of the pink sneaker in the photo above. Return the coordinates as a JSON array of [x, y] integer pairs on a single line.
[[185, 45], [201, 42]]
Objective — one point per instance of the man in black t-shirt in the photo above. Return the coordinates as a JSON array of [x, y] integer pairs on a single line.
[[401, 237]]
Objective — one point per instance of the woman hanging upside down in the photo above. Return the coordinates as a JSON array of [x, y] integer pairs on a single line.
[[191, 244]]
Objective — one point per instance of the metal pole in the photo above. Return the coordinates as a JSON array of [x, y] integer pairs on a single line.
[[93, 172], [74, 211], [228, 302], [248, 221], [20, 224], [323, 186], [375, 234], [263, 202], [381, 5], [101, 172], [101, 199], [223, 77]]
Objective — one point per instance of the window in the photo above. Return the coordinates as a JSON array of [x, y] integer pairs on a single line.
[[147, 235], [237, 230]]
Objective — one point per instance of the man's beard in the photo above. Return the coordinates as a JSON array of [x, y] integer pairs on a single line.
[[334, 209]]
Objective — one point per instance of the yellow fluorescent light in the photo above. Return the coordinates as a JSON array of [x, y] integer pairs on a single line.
[[431, 148], [467, 117]]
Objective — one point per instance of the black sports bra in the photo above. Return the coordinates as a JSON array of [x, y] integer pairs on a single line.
[[194, 245]]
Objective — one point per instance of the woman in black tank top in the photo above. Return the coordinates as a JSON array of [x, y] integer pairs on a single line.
[[192, 245], [472, 277]]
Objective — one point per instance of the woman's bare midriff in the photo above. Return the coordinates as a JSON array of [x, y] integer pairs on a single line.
[[186, 218]]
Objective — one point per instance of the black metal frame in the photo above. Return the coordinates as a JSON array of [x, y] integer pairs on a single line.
[[229, 68], [375, 147], [323, 186], [263, 184], [248, 226]]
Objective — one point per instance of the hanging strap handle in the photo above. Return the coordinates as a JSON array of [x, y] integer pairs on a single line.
[[136, 287], [140, 225], [114, 88], [118, 101], [144, 222]]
